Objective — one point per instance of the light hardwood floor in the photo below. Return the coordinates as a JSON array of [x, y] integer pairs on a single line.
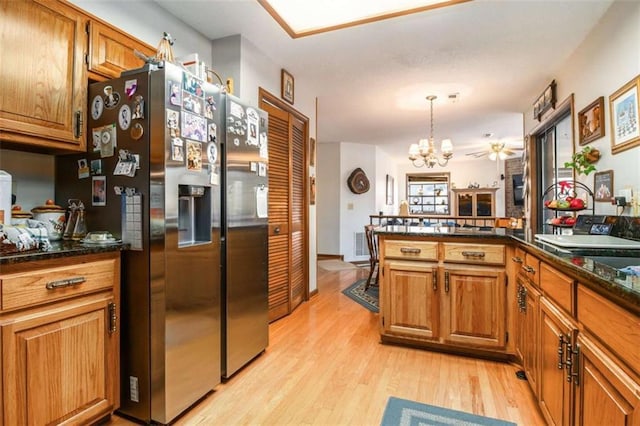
[[325, 366]]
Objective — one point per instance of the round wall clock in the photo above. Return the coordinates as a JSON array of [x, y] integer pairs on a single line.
[[358, 182]]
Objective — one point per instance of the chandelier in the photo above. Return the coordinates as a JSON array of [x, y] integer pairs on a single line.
[[424, 154]]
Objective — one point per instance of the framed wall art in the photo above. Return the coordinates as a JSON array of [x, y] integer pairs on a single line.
[[389, 190], [623, 111], [287, 86], [603, 186], [591, 121], [312, 152], [312, 190], [545, 101]]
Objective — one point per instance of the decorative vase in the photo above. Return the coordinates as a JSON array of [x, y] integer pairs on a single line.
[[592, 156]]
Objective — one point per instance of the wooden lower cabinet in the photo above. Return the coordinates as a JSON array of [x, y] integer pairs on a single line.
[[474, 306], [527, 331], [60, 360], [410, 306], [557, 336], [453, 305], [605, 393]]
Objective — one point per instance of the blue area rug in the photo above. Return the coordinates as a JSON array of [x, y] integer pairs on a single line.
[[368, 299], [401, 412]]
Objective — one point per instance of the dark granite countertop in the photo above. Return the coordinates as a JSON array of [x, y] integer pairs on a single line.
[[59, 249], [621, 288]]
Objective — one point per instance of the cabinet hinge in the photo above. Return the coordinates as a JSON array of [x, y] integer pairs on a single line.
[[113, 318], [86, 58], [506, 280], [383, 321], [87, 28], [506, 337]]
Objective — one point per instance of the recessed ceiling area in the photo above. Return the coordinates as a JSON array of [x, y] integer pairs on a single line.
[[306, 17]]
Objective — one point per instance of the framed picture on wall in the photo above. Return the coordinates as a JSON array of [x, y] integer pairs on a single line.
[[287, 86], [312, 152], [623, 112], [603, 185], [389, 190], [591, 121]]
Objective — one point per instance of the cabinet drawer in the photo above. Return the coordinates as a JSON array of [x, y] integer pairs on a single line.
[[489, 254], [51, 284], [415, 250], [617, 328], [558, 286]]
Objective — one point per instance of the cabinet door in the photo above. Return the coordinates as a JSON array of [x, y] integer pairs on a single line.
[[531, 337], [605, 393], [464, 204], [409, 300], [60, 364], [474, 307], [484, 204], [44, 95], [555, 391], [111, 52]]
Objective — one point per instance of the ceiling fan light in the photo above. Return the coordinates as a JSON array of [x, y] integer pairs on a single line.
[[502, 155], [493, 156]]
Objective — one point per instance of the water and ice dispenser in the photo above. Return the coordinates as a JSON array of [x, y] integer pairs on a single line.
[[194, 215]]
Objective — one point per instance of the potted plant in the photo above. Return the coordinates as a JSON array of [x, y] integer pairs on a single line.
[[582, 161]]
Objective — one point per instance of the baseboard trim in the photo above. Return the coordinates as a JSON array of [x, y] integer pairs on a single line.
[[313, 293], [329, 256]]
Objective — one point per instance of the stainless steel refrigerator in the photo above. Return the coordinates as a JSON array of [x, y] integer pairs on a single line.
[[152, 177], [245, 235]]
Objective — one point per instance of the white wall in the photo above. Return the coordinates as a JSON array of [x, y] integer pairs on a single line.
[[355, 208], [32, 177], [607, 59], [328, 198]]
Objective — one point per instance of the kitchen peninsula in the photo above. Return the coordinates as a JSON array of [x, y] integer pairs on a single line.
[[571, 322]]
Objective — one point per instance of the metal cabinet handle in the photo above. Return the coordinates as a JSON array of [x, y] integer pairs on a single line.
[[52, 285], [529, 269], [574, 372], [517, 259], [434, 276], [561, 352], [113, 318], [276, 230], [477, 254], [411, 250], [77, 128], [446, 282]]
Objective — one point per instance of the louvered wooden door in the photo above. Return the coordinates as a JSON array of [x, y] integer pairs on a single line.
[[288, 234]]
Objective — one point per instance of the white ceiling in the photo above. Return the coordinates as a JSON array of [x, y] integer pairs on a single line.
[[372, 80]]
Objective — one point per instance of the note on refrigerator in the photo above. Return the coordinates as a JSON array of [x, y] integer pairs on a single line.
[[261, 202]]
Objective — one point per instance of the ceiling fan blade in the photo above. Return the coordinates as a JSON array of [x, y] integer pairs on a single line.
[[477, 154]]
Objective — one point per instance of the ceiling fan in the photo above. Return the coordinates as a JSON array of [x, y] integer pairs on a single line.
[[497, 150]]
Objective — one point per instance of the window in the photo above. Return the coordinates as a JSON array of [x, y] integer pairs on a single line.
[[555, 147], [428, 193]]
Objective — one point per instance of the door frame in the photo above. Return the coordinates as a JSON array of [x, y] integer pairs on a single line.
[[264, 96]]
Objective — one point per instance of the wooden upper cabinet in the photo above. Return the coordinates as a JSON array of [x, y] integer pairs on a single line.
[[112, 51], [44, 95]]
